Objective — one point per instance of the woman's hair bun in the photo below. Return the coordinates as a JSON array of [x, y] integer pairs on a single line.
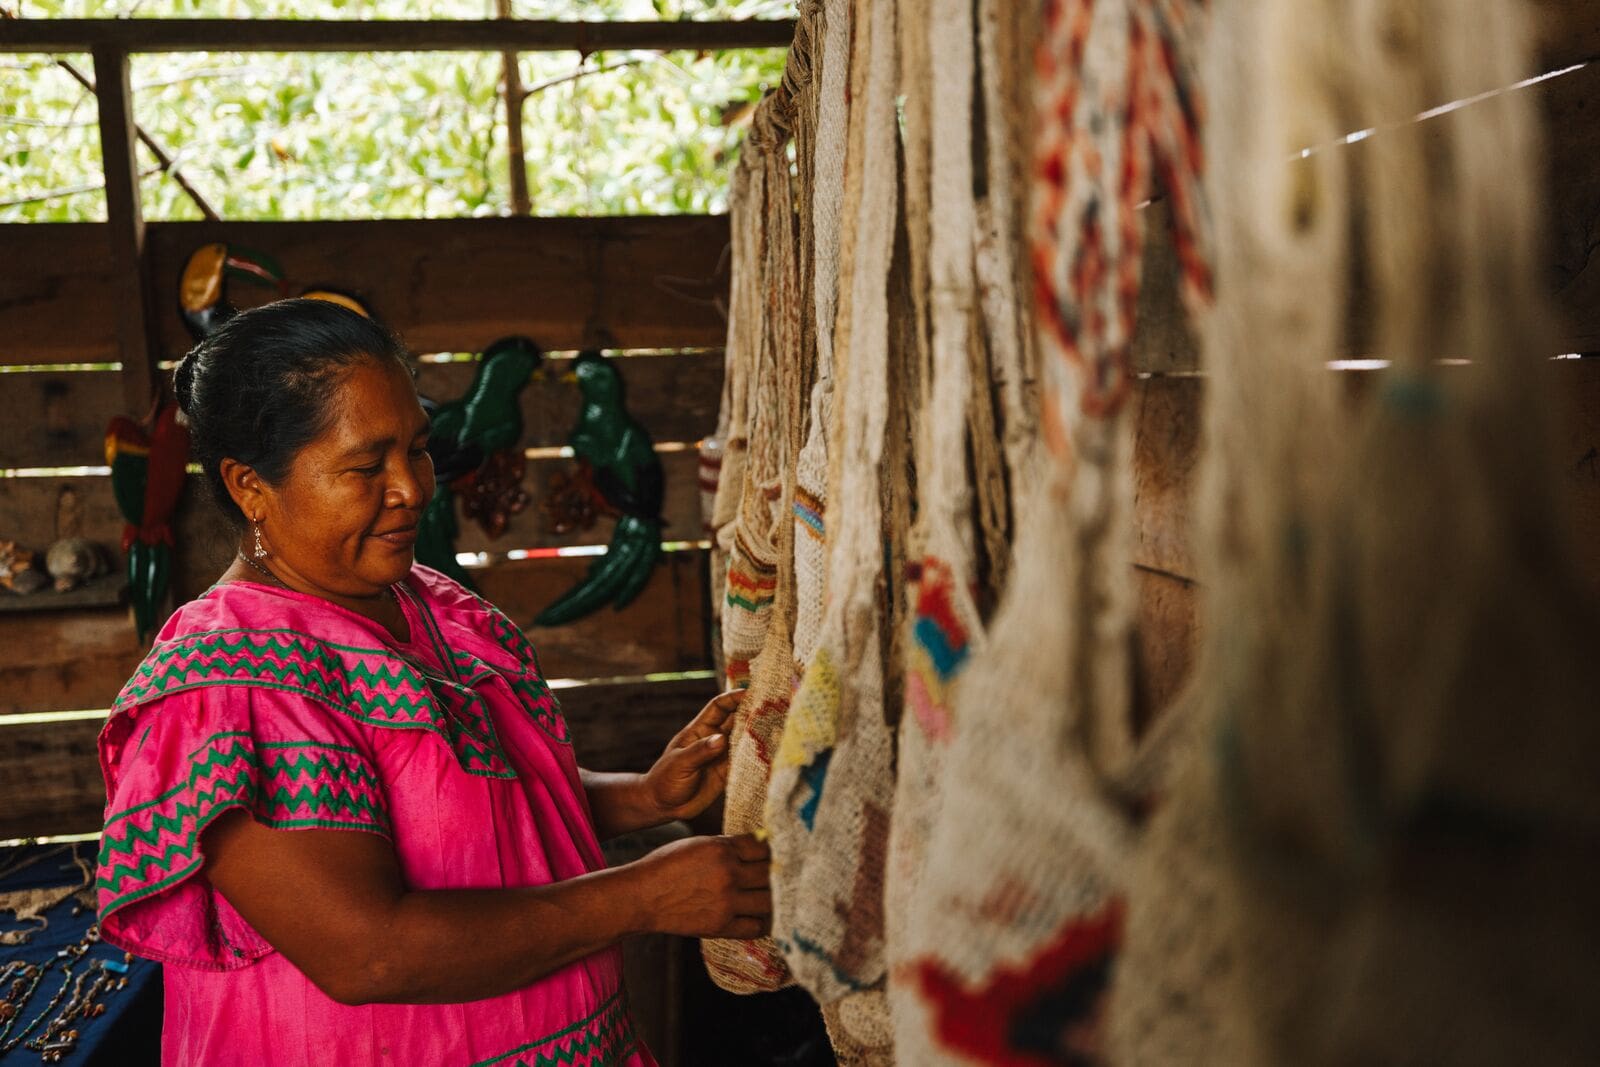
[[183, 381]]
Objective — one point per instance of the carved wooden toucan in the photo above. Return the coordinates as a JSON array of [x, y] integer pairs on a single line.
[[626, 471], [203, 290], [476, 453]]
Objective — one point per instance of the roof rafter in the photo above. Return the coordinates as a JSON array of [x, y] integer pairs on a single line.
[[348, 35]]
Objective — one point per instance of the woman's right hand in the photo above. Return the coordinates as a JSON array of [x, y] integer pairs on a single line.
[[708, 887]]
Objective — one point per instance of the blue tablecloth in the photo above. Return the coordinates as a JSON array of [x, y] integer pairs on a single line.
[[129, 1033]]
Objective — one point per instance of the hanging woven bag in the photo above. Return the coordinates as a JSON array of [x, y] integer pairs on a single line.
[[829, 801], [756, 965], [1013, 939]]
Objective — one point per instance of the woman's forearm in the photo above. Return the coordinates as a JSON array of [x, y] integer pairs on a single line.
[[620, 803], [337, 906], [449, 946]]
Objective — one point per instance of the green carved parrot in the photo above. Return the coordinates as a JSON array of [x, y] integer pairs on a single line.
[[474, 445], [627, 473]]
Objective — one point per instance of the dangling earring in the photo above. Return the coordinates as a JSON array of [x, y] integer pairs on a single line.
[[260, 550]]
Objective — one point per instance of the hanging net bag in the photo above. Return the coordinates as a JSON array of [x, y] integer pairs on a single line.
[[1012, 941], [832, 783], [790, 353]]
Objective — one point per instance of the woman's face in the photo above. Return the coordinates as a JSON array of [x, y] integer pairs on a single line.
[[343, 522]]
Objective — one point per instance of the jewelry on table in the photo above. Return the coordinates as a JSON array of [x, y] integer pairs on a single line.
[[23, 979], [59, 1037], [66, 980]]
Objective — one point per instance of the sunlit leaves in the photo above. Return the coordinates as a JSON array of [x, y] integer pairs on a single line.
[[389, 135]]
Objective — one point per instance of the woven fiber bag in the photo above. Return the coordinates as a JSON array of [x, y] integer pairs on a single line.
[[1177, 997], [747, 211], [859, 1030], [980, 354], [1400, 736], [829, 98], [752, 966], [943, 617], [829, 801], [1013, 936], [753, 551]]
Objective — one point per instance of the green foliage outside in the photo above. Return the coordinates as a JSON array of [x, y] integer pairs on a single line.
[[403, 135]]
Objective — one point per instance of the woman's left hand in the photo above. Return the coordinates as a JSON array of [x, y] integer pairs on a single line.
[[693, 770]]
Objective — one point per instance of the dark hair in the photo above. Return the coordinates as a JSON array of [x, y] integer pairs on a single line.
[[257, 389]]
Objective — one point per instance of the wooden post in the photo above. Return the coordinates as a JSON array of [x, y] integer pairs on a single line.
[[130, 272], [516, 155]]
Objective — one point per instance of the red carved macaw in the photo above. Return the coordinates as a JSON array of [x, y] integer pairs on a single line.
[[149, 465]]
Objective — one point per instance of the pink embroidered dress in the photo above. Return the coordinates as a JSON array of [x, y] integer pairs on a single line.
[[448, 744]]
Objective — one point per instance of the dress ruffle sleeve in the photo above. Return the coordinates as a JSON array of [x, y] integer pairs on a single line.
[[174, 765]]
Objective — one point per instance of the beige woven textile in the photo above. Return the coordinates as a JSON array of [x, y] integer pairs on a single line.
[[829, 802], [1013, 929], [830, 82], [733, 420], [789, 353], [937, 77]]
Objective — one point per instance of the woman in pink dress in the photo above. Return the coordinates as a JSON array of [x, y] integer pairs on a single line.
[[328, 684]]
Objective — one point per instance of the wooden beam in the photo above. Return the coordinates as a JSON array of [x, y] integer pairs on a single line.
[[397, 35], [446, 285], [133, 295]]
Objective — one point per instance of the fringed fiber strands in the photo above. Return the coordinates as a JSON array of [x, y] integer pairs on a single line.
[[1021, 914], [753, 966], [1398, 737], [829, 801]]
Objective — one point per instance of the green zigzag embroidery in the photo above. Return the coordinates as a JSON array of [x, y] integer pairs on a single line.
[[323, 800], [312, 766], [237, 760], [530, 691], [610, 1038], [198, 660]]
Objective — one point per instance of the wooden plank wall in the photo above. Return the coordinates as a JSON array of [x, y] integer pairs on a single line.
[[648, 286], [633, 283]]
